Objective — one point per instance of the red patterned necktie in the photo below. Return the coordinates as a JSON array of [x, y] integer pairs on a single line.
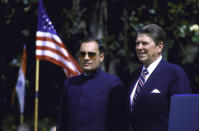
[[140, 84]]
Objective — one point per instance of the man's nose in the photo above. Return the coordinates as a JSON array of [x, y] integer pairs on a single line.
[[86, 57]]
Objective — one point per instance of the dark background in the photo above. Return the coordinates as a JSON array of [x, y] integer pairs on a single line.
[[113, 21]]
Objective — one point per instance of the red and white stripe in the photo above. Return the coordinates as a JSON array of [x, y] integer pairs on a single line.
[[50, 47]]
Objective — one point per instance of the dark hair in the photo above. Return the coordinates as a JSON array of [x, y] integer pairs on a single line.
[[89, 39], [154, 31]]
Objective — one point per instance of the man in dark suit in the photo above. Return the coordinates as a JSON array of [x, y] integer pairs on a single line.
[[95, 100], [154, 83]]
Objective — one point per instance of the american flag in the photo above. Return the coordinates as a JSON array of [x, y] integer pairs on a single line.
[[50, 47]]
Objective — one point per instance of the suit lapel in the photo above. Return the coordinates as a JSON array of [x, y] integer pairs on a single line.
[[151, 82], [135, 78], [154, 77]]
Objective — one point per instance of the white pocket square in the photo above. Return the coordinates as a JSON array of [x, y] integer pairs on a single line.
[[155, 91]]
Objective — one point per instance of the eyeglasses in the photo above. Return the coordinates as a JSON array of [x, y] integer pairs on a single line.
[[91, 55]]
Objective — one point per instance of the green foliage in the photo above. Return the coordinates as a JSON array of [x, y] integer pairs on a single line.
[[195, 38], [73, 23], [9, 123], [176, 17], [113, 21]]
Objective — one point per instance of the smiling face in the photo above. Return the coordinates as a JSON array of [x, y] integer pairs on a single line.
[[89, 57], [147, 50]]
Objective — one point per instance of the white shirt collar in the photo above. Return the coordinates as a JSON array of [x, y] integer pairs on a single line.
[[152, 67]]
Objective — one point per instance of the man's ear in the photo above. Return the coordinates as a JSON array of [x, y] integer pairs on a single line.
[[161, 46], [101, 57]]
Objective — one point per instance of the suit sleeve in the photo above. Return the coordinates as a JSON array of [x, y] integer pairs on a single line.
[[119, 107], [180, 83]]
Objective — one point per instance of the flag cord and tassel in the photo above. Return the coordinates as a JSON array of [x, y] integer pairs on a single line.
[[36, 96]]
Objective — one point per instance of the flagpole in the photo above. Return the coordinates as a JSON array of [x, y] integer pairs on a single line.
[[21, 118], [36, 96]]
